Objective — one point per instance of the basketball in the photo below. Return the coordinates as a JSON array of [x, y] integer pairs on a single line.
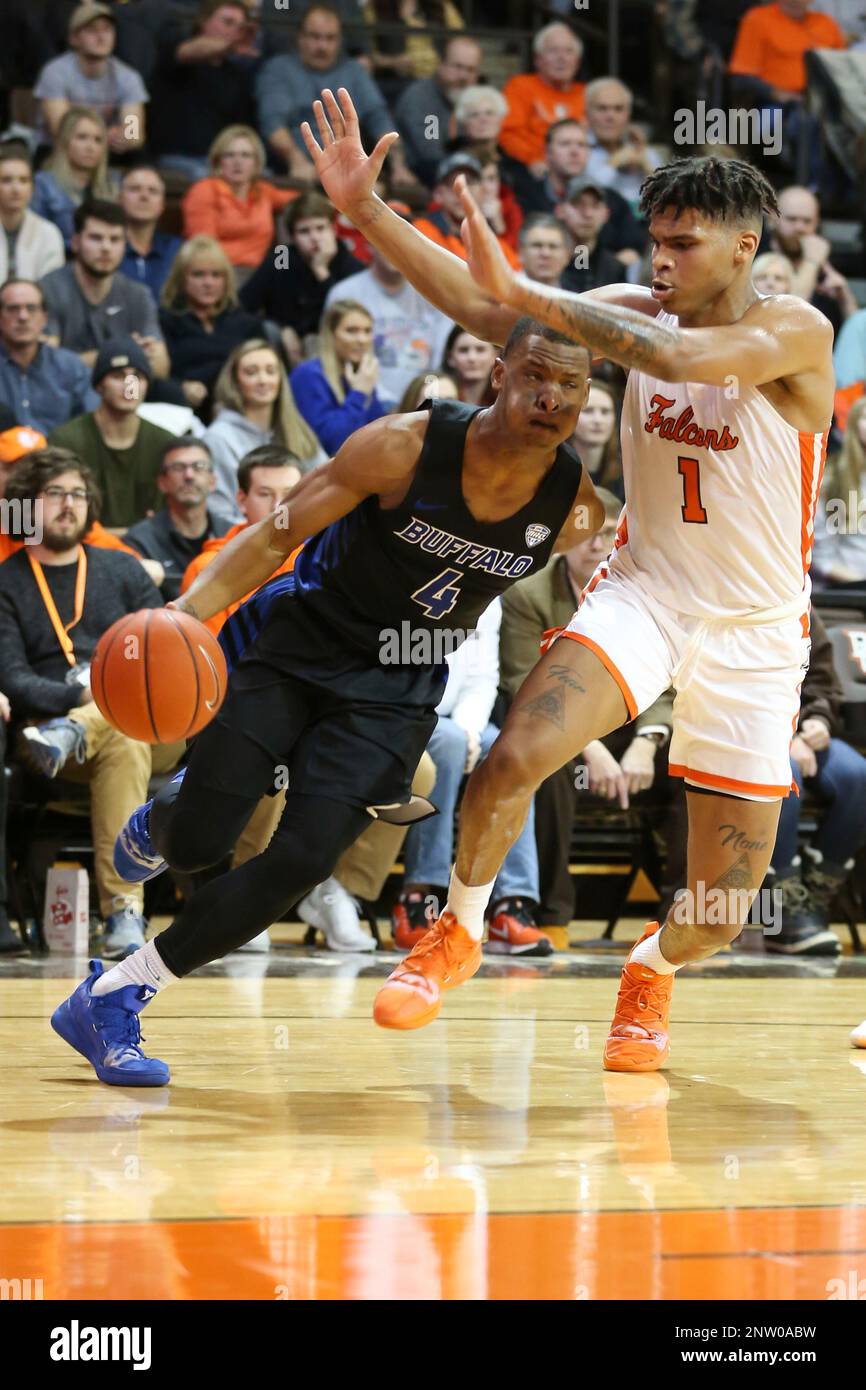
[[158, 675]]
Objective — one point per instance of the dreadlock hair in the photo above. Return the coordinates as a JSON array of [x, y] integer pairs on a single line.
[[526, 325], [725, 190]]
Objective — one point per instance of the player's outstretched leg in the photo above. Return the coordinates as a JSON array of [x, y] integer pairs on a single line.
[[107, 1032], [730, 844], [567, 700]]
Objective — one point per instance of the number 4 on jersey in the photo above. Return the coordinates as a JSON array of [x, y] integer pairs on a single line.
[[441, 594], [692, 508]]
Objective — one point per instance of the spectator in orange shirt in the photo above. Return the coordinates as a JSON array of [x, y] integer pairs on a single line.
[[536, 100], [235, 206], [266, 476], [15, 443], [771, 44], [442, 223]]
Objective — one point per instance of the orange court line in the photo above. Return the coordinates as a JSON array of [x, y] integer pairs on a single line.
[[741, 1253]]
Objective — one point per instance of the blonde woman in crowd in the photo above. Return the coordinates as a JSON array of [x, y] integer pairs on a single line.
[[77, 168], [200, 318], [235, 205], [336, 391], [254, 405]]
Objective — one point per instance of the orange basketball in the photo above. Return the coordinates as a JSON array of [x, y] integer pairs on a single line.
[[158, 675]]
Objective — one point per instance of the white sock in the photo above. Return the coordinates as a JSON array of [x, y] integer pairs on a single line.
[[649, 954], [144, 967], [467, 902]]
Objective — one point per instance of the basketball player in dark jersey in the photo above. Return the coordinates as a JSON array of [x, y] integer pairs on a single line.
[[417, 524]]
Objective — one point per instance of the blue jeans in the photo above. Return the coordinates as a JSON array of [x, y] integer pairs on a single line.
[[430, 846], [840, 782]]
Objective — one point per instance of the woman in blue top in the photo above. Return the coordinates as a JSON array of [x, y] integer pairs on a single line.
[[336, 391], [76, 169]]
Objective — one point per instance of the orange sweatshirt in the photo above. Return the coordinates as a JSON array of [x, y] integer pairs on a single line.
[[771, 45], [533, 105], [204, 557], [244, 227], [97, 535], [453, 243]]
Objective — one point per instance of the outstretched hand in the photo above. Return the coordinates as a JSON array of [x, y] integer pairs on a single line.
[[347, 173], [483, 252]]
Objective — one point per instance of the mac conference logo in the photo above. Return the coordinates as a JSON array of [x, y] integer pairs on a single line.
[[536, 533]]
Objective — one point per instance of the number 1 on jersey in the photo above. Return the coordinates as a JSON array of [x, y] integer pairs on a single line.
[[692, 508], [440, 595]]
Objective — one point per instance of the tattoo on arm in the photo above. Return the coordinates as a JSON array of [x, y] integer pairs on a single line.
[[732, 835], [624, 335]]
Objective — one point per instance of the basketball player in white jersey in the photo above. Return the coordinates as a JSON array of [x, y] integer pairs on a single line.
[[724, 431]]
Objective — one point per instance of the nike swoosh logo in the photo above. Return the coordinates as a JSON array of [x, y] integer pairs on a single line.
[[211, 704], [114, 308]]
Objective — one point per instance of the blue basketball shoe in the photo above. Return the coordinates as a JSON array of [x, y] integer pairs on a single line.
[[135, 858], [106, 1030]]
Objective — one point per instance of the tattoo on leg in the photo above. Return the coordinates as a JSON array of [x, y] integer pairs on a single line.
[[549, 705], [567, 677], [739, 875], [738, 840]]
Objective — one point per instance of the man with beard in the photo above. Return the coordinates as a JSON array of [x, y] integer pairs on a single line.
[[88, 302], [57, 598]]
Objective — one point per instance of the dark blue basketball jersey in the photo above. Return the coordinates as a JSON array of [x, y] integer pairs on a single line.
[[427, 563]]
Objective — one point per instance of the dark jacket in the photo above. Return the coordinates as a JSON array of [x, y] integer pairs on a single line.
[[291, 295], [157, 538], [821, 696], [31, 660]]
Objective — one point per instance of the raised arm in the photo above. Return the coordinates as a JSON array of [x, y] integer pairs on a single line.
[[376, 460], [779, 338], [348, 175]]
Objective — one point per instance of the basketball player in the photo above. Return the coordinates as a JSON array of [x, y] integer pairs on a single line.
[[724, 432], [417, 524]]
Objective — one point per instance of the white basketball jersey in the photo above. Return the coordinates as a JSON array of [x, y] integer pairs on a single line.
[[720, 496]]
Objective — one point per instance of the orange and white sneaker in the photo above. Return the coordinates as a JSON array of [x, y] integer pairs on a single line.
[[638, 1038], [412, 994], [512, 931], [858, 1036]]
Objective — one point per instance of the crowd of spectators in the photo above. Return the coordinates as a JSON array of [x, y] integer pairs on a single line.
[[187, 327]]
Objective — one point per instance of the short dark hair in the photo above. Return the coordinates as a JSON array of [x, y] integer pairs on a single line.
[[526, 326], [559, 125], [545, 219], [725, 190], [142, 166], [102, 209], [309, 204], [265, 456], [182, 441], [16, 149], [209, 7], [32, 474], [21, 280]]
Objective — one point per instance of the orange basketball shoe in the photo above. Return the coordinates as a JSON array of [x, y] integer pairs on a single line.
[[412, 994], [638, 1039]]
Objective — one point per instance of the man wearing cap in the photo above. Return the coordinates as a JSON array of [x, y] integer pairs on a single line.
[[88, 75], [41, 385], [123, 450], [592, 264], [409, 334], [442, 223]]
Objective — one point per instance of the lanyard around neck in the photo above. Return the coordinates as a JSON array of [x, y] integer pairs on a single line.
[[62, 630]]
